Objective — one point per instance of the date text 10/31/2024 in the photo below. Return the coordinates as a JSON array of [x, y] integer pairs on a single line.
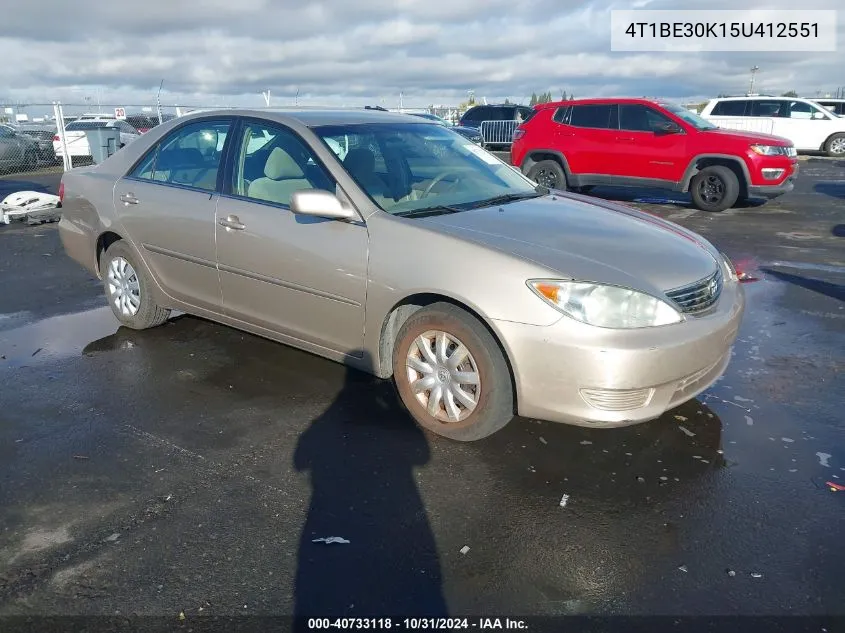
[[417, 624]]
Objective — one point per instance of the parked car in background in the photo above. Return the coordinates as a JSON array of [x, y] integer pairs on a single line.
[[504, 112], [42, 135], [18, 152], [809, 126], [470, 133], [77, 140], [837, 106], [645, 143], [418, 256]]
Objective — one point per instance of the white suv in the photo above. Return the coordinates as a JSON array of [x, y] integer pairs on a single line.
[[809, 126]]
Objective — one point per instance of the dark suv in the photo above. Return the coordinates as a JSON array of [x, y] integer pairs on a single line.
[[504, 112]]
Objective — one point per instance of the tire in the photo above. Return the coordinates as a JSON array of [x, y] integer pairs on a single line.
[[835, 146], [136, 310], [714, 188], [550, 172], [493, 388]]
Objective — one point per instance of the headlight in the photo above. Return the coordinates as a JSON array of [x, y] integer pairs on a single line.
[[605, 306], [729, 266], [770, 150]]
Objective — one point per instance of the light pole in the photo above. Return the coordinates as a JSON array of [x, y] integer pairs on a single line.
[[754, 70]]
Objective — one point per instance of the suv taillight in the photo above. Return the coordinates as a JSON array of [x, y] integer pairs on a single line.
[[61, 192], [518, 133], [56, 138]]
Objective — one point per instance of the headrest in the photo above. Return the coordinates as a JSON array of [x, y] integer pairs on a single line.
[[280, 166], [179, 158], [360, 161]]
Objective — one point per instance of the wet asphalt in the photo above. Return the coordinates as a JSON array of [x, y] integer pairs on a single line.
[[189, 468]]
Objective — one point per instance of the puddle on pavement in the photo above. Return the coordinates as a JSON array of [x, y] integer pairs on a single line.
[[56, 337]]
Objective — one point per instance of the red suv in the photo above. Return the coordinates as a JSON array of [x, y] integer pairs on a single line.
[[645, 143]]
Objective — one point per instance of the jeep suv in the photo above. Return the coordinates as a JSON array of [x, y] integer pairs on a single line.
[[645, 143]]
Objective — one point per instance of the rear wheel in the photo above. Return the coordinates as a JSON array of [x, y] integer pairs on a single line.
[[127, 287], [451, 374], [548, 173], [714, 188], [835, 146]]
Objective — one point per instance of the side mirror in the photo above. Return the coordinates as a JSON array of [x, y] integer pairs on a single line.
[[818, 115], [321, 204], [669, 127]]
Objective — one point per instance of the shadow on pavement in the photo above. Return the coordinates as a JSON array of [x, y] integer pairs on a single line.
[[40, 182], [836, 291], [838, 230], [361, 454], [832, 189]]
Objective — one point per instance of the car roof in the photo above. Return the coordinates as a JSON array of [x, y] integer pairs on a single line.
[[600, 101], [313, 117], [766, 97]]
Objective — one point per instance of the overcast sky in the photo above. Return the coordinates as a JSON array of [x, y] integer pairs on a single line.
[[350, 52]]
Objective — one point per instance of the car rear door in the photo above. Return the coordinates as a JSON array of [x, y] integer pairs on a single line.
[[299, 276], [167, 204], [588, 140], [644, 150]]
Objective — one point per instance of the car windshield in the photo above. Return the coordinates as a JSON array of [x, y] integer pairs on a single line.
[[689, 116], [409, 168]]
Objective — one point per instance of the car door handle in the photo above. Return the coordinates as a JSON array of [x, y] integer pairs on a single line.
[[232, 222], [627, 139], [129, 198]]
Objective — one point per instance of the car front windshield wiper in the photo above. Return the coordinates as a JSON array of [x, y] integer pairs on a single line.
[[440, 209], [506, 197]]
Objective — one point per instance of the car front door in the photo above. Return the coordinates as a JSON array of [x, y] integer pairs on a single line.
[[806, 125], [299, 276], [645, 150], [167, 204]]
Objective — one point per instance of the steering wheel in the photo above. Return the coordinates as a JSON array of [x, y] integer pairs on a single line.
[[437, 179]]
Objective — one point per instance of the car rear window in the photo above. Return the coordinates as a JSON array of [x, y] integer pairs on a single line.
[[730, 108], [86, 125]]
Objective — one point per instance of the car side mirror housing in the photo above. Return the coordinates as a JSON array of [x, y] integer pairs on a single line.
[[669, 127], [818, 116], [320, 204]]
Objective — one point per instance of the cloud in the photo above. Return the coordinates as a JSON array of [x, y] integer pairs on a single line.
[[219, 52]]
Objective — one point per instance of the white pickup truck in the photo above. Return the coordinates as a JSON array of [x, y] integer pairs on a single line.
[[77, 141], [809, 126]]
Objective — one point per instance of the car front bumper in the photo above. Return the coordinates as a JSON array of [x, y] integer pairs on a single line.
[[773, 191], [578, 374]]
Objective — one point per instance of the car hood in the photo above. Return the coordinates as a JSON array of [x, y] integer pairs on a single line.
[[578, 239], [751, 137]]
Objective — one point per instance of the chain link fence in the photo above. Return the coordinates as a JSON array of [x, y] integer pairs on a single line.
[[52, 136]]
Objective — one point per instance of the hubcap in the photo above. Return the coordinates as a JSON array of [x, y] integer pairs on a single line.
[[712, 189], [547, 178], [837, 146], [443, 376], [124, 287]]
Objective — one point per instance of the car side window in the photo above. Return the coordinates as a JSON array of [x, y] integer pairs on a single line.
[[271, 163], [473, 114], [600, 116], [730, 108], [766, 108], [6, 132], [800, 110], [190, 156], [562, 114], [640, 118]]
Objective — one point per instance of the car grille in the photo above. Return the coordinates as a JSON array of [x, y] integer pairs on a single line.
[[698, 296]]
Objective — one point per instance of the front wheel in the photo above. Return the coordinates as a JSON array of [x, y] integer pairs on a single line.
[[452, 375], [714, 188], [127, 287], [549, 174], [835, 146]]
